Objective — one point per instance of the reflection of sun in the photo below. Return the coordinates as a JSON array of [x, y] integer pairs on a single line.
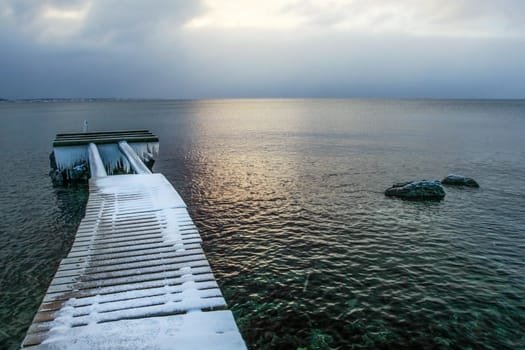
[[268, 14]]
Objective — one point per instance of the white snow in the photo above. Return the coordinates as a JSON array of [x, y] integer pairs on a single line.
[[192, 331], [154, 190]]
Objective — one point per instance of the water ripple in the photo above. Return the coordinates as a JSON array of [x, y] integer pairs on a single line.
[[288, 198]]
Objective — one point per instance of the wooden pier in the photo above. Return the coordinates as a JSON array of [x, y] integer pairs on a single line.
[[136, 276]]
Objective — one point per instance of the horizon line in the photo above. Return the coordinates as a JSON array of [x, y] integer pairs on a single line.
[[89, 99]]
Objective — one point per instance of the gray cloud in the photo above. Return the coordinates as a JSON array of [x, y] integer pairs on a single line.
[[351, 65], [103, 21], [120, 49], [475, 17], [142, 50], [138, 20]]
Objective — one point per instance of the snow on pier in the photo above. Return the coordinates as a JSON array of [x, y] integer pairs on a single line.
[[136, 276]]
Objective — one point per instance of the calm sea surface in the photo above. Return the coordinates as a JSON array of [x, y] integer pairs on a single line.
[[288, 197]]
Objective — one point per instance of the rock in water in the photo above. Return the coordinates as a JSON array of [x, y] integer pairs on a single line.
[[424, 189], [459, 180]]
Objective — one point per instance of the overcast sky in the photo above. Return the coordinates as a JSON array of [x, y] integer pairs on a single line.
[[270, 48]]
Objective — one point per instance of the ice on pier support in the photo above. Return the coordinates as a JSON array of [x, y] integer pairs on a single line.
[[69, 157], [136, 163], [66, 158], [116, 162], [69, 165], [113, 159], [96, 166], [145, 150]]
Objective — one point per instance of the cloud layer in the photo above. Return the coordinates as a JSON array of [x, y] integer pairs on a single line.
[[234, 48]]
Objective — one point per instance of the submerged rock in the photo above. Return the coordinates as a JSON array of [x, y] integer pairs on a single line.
[[459, 180], [424, 189]]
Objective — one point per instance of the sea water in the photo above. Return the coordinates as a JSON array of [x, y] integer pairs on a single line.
[[288, 197]]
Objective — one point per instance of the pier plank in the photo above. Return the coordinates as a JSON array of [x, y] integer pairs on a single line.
[[136, 275]]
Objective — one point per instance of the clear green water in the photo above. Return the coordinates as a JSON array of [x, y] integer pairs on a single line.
[[288, 197]]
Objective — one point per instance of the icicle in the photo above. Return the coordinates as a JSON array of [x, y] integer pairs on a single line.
[[70, 156], [145, 150], [113, 159]]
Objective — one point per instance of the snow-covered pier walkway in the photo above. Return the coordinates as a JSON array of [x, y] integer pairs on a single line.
[[136, 276]]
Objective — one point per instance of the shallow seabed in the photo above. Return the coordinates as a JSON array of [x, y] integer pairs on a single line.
[[288, 197]]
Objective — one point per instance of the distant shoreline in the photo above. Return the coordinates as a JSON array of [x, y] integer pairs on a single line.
[[89, 99]]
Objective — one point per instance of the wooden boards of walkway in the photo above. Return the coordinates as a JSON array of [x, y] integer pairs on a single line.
[[136, 277]]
